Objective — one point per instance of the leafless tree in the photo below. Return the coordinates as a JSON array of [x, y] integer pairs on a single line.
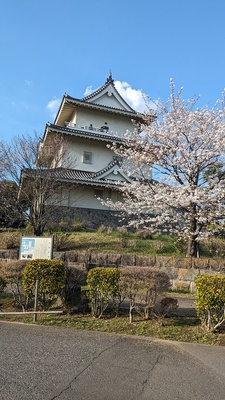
[[37, 170]]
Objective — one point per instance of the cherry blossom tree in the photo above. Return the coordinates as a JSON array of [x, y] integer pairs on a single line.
[[184, 146]]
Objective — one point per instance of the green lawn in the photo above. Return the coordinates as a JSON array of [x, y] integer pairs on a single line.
[[174, 327], [118, 242], [185, 329], [102, 242]]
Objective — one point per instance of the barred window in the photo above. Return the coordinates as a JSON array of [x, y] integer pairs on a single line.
[[87, 157]]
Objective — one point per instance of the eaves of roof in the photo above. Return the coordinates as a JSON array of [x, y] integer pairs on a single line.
[[101, 107], [72, 176], [84, 134]]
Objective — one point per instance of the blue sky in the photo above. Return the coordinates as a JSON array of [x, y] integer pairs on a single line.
[[49, 47]]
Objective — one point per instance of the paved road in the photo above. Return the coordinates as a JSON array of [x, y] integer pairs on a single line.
[[46, 363]]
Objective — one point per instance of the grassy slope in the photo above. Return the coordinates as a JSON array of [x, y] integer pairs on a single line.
[[118, 243]]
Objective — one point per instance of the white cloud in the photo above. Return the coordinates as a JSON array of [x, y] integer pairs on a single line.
[[88, 91], [134, 97], [53, 106], [28, 82]]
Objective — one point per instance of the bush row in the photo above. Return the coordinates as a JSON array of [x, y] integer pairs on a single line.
[[141, 288]]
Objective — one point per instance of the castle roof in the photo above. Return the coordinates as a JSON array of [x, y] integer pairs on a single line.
[[75, 176], [105, 99]]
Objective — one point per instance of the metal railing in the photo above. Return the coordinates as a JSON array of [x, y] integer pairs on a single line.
[[103, 129]]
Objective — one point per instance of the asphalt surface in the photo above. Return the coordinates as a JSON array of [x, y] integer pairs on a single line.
[[186, 306], [46, 363]]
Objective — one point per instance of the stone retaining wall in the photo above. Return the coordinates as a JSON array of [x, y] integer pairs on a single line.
[[182, 271]]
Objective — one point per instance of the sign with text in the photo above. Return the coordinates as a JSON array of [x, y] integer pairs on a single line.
[[32, 248]]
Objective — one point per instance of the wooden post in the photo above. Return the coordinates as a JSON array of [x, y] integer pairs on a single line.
[[36, 300]]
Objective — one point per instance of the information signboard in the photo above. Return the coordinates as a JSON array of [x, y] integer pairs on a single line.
[[32, 248]]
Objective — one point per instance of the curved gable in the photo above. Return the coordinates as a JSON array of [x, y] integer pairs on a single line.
[[108, 95]]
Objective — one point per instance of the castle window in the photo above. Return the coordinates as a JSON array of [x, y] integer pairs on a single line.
[[87, 157]]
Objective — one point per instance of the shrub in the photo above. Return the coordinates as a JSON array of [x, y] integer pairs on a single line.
[[109, 230], [213, 247], [3, 284], [11, 240], [158, 246], [102, 228], [76, 225], [130, 283], [142, 283], [63, 225], [180, 245], [12, 272], [133, 244], [122, 230], [144, 234], [210, 300], [51, 277], [102, 286], [165, 305], [61, 241], [154, 283]]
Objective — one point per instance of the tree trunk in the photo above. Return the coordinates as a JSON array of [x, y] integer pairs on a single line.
[[192, 247], [37, 232], [131, 318]]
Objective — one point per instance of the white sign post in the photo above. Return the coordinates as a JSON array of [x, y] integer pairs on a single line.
[[32, 248]]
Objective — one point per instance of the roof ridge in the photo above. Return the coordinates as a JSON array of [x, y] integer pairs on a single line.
[[108, 81], [107, 167]]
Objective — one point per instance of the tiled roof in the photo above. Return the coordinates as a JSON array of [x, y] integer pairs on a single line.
[[100, 89], [83, 102], [83, 133], [76, 176], [112, 164], [109, 81]]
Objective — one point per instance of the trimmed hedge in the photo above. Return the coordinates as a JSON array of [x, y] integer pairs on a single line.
[[102, 286], [51, 276], [210, 300]]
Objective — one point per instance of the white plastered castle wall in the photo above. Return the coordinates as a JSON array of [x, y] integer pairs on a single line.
[[101, 155], [117, 126], [85, 197]]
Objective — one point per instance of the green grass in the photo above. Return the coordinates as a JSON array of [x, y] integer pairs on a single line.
[[115, 242], [175, 327], [101, 242], [185, 329]]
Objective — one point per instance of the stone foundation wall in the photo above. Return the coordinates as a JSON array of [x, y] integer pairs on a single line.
[[90, 218], [182, 271]]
